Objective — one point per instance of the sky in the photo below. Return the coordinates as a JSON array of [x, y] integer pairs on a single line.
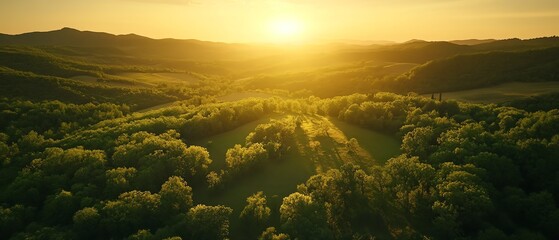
[[255, 21]]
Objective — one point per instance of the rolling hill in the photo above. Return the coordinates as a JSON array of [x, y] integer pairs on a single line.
[[321, 70], [132, 45], [482, 69]]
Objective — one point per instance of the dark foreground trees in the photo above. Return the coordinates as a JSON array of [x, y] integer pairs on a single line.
[[467, 171]]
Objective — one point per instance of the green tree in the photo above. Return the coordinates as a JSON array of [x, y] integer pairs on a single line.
[[14, 219], [131, 211], [302, 218], [240, 159], [86, 223], [270, 234], [462, 200], [157, 157], [256, 213], [419, 142], [142, 234], [7, 151], [209, 222], [411, 186], [59, 208], [119, 180], [352, 145], [176, 196]]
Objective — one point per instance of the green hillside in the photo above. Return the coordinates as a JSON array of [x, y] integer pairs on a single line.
[[484, 69]]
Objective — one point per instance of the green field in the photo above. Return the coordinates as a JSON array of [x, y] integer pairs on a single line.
[[124, 83], [502, 92], [244, 95], [381, 146], [218, 144], [163, 77]]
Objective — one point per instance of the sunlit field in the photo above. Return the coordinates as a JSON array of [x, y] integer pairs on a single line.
[[279, 119], [503, 92]]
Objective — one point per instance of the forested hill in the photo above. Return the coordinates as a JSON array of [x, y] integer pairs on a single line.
[[411, 52], [518, 44], [482, 69], [129, 62], [417, 51], [132, 44]]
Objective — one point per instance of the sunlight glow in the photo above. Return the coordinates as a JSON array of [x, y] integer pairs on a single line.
[[286, 29]]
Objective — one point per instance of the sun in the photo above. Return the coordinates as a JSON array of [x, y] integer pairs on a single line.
[[286, 29]]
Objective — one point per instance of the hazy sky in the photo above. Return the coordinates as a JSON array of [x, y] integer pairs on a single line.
[[257, 20]]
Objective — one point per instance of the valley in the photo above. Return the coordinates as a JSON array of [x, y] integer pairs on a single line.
[[109, 136]]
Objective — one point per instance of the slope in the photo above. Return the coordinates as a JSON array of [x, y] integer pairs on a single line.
[[483, 69]]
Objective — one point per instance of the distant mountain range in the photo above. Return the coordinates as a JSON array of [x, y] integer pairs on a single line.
[[471, 42], [429, 66], [415, 50]]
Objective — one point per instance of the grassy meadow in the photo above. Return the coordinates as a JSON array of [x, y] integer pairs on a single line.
[[502, 93]]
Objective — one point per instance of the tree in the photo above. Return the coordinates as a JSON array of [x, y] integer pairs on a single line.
[[198, 159], [13, 219], [86, 222], [6, 151], [209, 222], [419, 142], [314, 145], [214, 179], [352, 146], [32, 142], [462, 200], [142, 234], [270, 234], [302, 218], [119, 180], [76, 165], [157, 157], [256, 213], [411, 185], [131, 211], [240, 159], [59, 208], [176, 196]]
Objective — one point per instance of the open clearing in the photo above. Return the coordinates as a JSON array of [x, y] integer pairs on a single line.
[[502, 93], [320, 144], [244, 95], [110, 83], [381, 146]]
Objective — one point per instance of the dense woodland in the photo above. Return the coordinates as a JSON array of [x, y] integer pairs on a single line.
[[466, 171], [80, 161]]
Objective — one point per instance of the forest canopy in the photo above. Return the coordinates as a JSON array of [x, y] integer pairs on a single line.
[[461, 165]]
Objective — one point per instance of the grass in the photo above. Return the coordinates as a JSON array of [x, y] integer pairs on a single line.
[[111, 83], [380, 146], [244, 95], [161, 77], [218, 144], [502, 92], [156, 107]]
